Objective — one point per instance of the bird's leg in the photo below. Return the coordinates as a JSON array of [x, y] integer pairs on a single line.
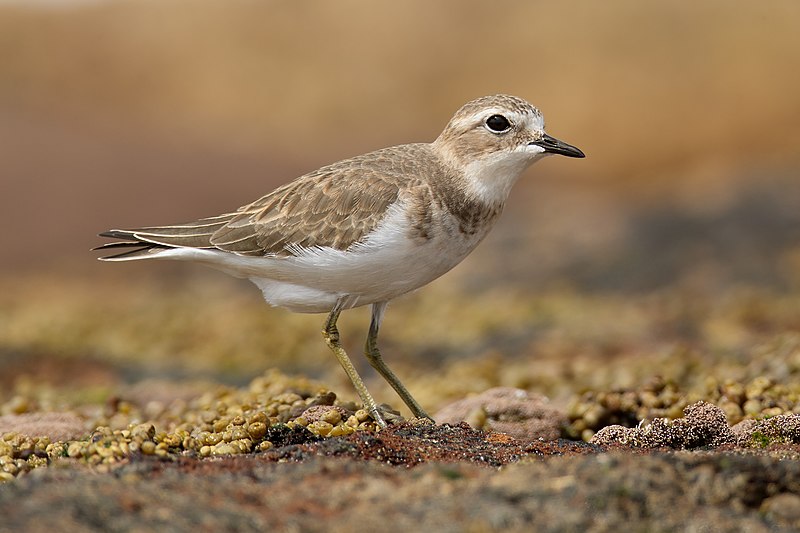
[[376, 360], [331, 335]]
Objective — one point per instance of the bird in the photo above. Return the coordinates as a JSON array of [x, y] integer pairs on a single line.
[[365, 230]]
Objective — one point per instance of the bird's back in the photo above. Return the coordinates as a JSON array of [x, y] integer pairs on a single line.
[[335, 206]]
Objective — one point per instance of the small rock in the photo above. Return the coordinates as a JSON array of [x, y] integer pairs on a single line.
[[56, 426], [332, 414], [783, 508], [614, 435], [775, 430], [703, 424], [507, 410]]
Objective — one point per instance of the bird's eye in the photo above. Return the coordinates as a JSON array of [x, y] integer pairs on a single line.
[[498, 124]]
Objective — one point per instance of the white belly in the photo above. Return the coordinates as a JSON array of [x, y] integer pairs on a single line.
[[389, 263]]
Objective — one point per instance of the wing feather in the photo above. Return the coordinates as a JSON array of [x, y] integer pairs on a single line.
[[336, 206]]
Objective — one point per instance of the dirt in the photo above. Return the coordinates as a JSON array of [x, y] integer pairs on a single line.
[[421, 477], [713, 445]]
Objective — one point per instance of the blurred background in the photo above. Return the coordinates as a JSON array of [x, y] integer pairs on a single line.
[[679, 231]]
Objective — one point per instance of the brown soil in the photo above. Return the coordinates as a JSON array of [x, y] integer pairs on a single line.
[[421, 477]]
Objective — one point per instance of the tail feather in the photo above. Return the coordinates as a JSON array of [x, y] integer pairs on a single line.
[[140, 250], [117, 234], [148, 241], [121, 244]]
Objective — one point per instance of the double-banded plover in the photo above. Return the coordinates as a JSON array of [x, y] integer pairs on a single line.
[[369, 228]]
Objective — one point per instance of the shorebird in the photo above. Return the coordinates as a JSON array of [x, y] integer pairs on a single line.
[[367, 229]]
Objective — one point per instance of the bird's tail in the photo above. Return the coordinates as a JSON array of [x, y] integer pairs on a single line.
[[147, 243], [132, 247]]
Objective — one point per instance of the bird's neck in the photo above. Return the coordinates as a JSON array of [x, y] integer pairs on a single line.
[[475, 211], [490, 179]]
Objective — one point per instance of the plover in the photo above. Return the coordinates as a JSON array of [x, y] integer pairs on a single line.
[[367, 229]]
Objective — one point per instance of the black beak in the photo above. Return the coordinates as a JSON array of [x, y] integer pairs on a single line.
[[552, 145]]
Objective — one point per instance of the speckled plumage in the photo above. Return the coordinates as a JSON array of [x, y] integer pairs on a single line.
[[335, 206]]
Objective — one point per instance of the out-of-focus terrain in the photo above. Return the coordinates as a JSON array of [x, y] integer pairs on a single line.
[[662, 269]]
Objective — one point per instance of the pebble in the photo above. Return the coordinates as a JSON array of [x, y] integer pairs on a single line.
[[783, 507], [224, 422]]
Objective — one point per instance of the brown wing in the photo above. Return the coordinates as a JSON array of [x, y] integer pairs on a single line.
[[335, 206]]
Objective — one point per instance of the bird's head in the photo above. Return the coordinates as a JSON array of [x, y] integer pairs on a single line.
[[493, 139]]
